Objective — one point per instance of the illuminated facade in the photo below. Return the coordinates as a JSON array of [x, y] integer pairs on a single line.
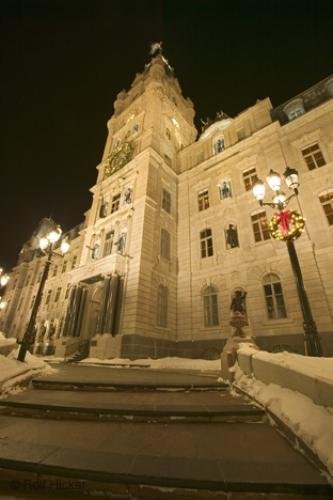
[[174, 230]]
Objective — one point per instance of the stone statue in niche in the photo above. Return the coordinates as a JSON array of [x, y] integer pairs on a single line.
[[95, 250], [219, 146], [231, 236], [120, 243], [225, 190], [128, 195]]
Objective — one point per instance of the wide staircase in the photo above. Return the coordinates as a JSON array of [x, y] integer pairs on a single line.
[[136, 433]]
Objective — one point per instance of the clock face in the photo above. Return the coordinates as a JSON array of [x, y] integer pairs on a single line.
[[118, 157]]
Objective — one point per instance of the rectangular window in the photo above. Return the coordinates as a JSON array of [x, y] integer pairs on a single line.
[[64, 266], [48, 297], [313, 157], [162, 306], [166, 200], [115, 203], [103, 209], [326, 201], [108, 243], [206, 243], [74, 261], [55, 269], [250, 178], [56, 298], [203, 200], [260, 227], [165, 244], [67, 291]]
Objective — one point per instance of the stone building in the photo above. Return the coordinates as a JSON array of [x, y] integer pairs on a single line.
[[174, 230]]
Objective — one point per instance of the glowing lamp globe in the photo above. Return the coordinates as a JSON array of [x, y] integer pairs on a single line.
[[54, 235], [3, 305], [258, 190], [291, 177], [4, 279], [274, 180], [64, 247], [279, 198], [43, 243]]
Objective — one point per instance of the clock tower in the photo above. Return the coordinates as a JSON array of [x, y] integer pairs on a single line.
[[126, 284]]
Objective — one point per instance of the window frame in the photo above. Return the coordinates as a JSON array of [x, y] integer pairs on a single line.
[[166, 200], [115, 203], [257, 220], [327, 203], [206, 243], [108, 243], [210, 307], [162, 306], [274, 301], [313, 156], [203, 200], [165, 244], [250, 177]]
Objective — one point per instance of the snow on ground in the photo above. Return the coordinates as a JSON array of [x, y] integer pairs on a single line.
[[321, 368], [312, 423], [13, 372], [162, 363]]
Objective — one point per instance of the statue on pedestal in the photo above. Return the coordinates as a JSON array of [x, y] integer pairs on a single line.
[[238, 308]]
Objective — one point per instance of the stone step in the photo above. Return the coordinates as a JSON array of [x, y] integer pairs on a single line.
[[23, 478], [132, 406], [69, 385], [251, 459]]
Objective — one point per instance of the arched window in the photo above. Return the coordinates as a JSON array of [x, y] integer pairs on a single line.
[[210, 305], [162, 306], [274, 297]]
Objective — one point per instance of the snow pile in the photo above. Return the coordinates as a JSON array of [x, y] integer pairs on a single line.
[[13, 372], [321, 368], [171, 363], [313, 424]]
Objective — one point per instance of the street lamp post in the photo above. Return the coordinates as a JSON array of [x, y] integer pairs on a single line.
[[46, 244], [287, 226], [4, 278]]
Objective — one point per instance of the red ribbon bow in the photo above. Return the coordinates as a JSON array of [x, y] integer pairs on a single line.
[[284, 219]]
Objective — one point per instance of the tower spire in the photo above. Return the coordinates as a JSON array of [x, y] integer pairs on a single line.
[[155, 48]]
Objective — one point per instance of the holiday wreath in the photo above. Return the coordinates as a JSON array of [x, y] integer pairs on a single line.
[[287, 224]]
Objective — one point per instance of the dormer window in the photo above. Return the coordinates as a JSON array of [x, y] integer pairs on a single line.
[[294, 109]]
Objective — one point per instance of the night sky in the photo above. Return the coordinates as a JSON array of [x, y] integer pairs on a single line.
[[64, 62]]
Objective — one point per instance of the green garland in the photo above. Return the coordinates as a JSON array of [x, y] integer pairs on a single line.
[[287, 224]]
